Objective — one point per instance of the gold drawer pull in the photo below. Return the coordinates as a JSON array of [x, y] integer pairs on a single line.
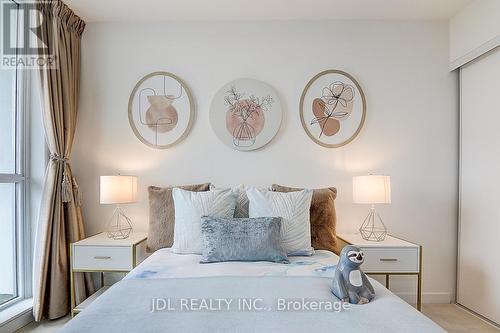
[[102, 257], [388, 259]]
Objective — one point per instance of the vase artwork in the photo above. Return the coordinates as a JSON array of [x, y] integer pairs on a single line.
[[246, 114], [160, 110], [245, 117], [161, 116]]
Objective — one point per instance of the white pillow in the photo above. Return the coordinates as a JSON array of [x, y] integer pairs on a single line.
[[189, 208], [293, 208], [240, 193]]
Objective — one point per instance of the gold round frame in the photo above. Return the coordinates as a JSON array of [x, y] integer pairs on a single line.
[[301, 107], [192, 110]]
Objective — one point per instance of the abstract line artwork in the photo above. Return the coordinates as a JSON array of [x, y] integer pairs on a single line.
[[332, 108], [246, 114], [161, 110]]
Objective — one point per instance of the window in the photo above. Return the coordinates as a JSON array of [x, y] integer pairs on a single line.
[[13, 226]]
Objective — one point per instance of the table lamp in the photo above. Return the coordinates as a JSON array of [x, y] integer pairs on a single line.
[[372, 189], [118, 190]]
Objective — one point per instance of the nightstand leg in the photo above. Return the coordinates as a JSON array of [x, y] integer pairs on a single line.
[[419, 292], [419, 281], [72, 290], [71, 282], [387, 281]]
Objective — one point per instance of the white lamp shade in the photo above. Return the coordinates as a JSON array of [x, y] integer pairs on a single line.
[[118, 189], [371, 189]]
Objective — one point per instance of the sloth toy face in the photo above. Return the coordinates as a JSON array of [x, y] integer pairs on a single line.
[[356, 257], [352, 256]]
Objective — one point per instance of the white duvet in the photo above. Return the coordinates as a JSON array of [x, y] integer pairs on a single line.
[[165, 264], [127, 307]]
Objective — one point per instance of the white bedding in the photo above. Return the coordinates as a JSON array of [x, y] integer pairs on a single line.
[[127, 307], [165, 264]]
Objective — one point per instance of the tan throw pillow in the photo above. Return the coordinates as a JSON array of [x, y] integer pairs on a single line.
[[322, 215], [162, 214]]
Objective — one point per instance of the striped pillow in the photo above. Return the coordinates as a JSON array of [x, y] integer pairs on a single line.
[[293, 208], [189, 208]]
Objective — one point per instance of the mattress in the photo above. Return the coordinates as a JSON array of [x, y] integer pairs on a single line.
[[175, 293]]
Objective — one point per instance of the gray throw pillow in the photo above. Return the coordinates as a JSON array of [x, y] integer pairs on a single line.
[[244, 239]]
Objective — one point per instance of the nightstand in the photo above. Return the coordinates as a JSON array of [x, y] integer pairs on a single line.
[[102, 254], [392, 256]]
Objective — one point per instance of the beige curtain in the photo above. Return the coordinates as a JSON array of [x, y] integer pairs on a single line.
[[60, 220]]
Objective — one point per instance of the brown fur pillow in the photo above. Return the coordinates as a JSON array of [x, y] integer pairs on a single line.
[[322, 215], [162, 214]]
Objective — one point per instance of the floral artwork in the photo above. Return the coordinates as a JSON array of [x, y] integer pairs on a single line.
[[332, 108], [246, 114], [161, 110], [245, 117]]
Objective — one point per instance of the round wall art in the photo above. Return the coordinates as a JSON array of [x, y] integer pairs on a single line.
[[160, 110], [246, 114], [332, 108]]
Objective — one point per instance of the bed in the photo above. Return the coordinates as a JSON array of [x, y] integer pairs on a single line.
[[175, 293]]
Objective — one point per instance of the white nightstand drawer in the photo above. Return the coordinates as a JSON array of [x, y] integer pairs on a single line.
[[114, 258], [385, 260]]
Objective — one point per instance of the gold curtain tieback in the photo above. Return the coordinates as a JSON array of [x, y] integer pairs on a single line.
[[66, 192], [58, 158]]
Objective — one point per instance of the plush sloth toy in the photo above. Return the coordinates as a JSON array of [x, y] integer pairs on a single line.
[[350, 284]]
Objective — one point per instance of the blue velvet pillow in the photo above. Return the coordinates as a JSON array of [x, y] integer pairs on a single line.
[[244, 239]]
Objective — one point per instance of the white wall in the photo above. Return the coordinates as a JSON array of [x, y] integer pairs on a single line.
[[474, 31], [410, 131]]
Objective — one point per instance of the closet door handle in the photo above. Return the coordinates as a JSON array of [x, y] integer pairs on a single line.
[[102, 257], [388, 259]]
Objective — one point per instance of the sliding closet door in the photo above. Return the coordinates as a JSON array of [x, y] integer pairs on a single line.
[[479, 230]]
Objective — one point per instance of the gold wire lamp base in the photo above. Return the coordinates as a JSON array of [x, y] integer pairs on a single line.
[[373, 228], [119, 226]]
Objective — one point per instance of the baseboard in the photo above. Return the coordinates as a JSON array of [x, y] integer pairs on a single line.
[[427, 297]]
